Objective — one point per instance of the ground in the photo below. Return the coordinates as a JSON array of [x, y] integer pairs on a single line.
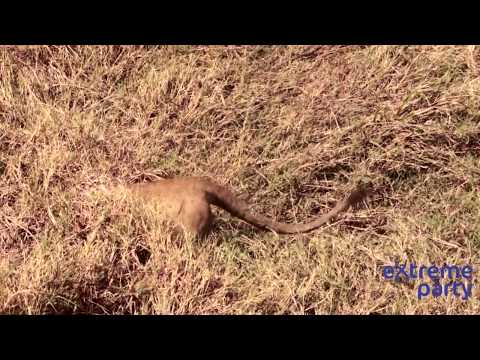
[[290, 128]]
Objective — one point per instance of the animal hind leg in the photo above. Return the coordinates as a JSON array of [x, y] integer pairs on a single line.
[[197, 217]]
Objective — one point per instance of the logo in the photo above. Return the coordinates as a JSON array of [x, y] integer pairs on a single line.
[[458, 278]]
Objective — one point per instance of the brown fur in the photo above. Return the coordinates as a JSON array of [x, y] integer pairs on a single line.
[[187, 201]]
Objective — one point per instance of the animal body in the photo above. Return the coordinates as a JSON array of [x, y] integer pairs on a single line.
[[187, 202]]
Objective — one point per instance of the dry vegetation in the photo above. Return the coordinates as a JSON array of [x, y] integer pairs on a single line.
[[293, 127]]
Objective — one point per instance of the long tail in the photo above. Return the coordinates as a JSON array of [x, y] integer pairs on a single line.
[[220, 196]]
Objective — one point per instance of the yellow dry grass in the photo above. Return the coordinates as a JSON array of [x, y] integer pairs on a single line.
[[291, 126]]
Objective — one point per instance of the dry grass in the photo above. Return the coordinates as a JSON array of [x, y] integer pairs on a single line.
[[291, 126]]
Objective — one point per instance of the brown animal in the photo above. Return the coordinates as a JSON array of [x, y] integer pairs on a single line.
[[187, 201]]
